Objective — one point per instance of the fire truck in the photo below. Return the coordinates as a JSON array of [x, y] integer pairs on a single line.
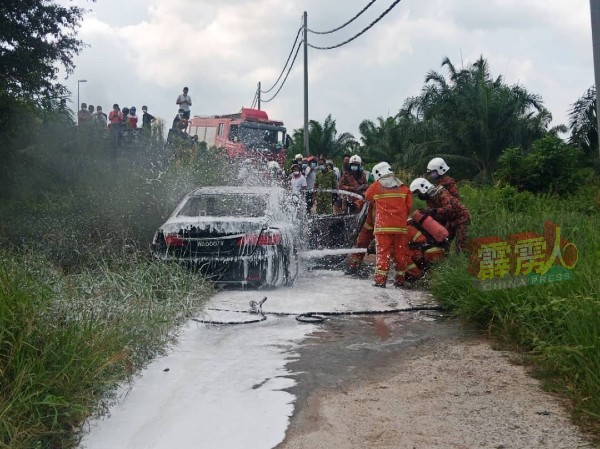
[[247, 134]]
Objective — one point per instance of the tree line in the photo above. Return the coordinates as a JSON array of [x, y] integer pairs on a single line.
[[487, 130]]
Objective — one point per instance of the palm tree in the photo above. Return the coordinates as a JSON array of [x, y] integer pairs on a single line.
[[323, 139], [476, 116], [583, 123], [381, 141]]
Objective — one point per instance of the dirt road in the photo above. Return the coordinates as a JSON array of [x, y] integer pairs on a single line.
[[442, 392]]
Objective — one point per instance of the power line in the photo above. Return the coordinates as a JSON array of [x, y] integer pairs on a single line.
[[286, 75], [347, 23], [285, 65], [382, 15], [254, 99]]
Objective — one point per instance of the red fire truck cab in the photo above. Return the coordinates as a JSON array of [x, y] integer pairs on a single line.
[[247, 134]]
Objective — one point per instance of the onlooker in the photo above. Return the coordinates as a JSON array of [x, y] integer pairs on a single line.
[[184, 101], [132, 118], [326, 180], [83, 115], [147, 118], [180, 122], [91, 110], [310, 173], [125, 112], [336, 171], [100, 117], [115, 119], [297, 181]]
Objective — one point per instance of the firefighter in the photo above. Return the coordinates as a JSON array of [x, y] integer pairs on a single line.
[[393, 202], [423, 250], [364, 239], [354, 179], [445, 209], [437, 170]]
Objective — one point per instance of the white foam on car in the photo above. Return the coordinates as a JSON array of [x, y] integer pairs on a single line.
[[280, 214]]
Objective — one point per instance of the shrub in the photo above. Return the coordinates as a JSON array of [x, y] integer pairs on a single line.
[[551, 166], [558, 324]]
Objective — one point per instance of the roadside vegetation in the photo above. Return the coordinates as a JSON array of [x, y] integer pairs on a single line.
[[83, 305], [556, 325]]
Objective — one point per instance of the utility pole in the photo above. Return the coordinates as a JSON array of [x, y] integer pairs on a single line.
[[306, 148], [258, 95], [595, 15]]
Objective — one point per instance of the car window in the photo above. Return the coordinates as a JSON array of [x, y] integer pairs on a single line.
[[224, 205]]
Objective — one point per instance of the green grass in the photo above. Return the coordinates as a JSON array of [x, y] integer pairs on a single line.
[[66, 341], [83, 306], [557, 324]]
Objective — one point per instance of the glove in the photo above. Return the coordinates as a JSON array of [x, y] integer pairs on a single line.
[[371, 249]]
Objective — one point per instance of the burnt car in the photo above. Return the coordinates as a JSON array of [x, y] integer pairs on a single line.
[[337, 231], [237, 235]]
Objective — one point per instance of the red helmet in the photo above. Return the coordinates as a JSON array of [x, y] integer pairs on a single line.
[[311, 159]]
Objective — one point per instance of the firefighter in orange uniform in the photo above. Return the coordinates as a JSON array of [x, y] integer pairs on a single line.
[[365, 236], [393, 202], [422, 251]]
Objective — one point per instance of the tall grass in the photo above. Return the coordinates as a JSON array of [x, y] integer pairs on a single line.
[[67, 340], [558, 324], [83, 306]]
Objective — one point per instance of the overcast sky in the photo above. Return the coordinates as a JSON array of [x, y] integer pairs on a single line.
[[145, 51]]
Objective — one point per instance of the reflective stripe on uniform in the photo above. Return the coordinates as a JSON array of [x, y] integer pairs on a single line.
[[389, 195], [416, 236], [398, 230]]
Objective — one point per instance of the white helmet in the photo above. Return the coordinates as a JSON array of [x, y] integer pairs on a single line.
[[381, 169], [439, 165], [421, 185], [273, 165], [355, 160], [298, 156]]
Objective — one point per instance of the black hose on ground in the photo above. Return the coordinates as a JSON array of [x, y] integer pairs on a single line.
[[318, 317]]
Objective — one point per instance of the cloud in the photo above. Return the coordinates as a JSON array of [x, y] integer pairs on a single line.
[[146, 51]]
